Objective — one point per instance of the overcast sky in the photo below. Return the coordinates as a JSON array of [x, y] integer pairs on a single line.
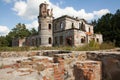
[[13, 12]]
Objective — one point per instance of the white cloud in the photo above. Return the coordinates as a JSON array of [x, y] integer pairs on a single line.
[[4, 30], [20, 7], [101, 12], [34, 24], [72, 12], [30, 10]]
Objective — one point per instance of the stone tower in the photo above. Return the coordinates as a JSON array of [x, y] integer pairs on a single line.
[[45, 20]]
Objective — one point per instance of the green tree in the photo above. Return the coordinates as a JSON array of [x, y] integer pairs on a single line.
[[94, 22], [116, 27], [104, 26], [109, 26], [33, 32], [3, 41], [20, 31]]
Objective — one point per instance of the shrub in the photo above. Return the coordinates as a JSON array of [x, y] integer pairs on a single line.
[[94, 44], [107, 45]]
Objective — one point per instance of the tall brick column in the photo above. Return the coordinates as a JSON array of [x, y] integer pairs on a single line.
[[59, 69]]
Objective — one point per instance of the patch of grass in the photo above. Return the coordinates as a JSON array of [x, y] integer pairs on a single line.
[[53, 48], [85, 48], [88, 47]]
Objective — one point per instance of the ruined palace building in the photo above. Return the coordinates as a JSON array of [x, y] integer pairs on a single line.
[[62, 31]]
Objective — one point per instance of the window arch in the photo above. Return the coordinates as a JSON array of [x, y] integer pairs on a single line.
[[72, 25], [89, 29], [97, 40], [61, 25], [83, 26], [39, 28], [50, 40], [49, 26], [39, 41], [83, 40]]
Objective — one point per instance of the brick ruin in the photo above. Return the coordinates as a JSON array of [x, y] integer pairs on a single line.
[[62, 65]]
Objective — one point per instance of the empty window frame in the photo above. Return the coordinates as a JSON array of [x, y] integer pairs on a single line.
[[83, 40], [49, 40], [49, 26]]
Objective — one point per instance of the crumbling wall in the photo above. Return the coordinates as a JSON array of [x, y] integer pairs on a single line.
[[87, 70], [73, 70], [110, 64]]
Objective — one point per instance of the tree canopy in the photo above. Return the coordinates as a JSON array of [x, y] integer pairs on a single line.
[[3, 41], [109, 26], [20, 31], [33, 32]]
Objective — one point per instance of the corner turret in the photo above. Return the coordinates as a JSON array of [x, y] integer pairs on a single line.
[[45, 20]]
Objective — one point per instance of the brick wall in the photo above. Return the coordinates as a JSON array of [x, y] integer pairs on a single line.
[[87, 70]]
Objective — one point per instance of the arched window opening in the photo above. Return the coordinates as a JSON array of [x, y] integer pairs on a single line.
[[72, 25], [89, 30], [39, 41], [69, 41], [39, 28], [49, 26], [97, 40], [83, 40], [83, 27], [50, 40], [61, 25]]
